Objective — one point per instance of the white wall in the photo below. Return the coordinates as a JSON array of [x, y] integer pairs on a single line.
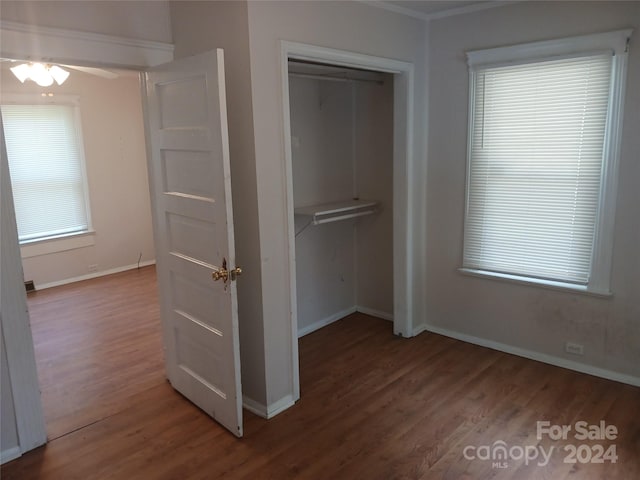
[[113, 135], [351, 26], [527, 317], [321, 141], [374, 177], [322, 166], [137, 19]]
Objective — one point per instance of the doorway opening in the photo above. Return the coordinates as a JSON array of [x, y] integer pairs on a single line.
[[96, 341], [332, 166], [342, 165]]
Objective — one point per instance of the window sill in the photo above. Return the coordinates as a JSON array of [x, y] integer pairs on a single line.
[[58, 244], [536, 282]]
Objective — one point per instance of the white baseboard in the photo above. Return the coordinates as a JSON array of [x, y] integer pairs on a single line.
[[325, 321], [533, 355], [254, 407], [89, 276], [375, 313], [9, 454], [280, 406], [419, 329], [337, 316], [269, 411]]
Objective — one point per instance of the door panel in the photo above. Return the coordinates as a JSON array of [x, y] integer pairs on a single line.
[[188, 172], [188, 236], [193, 227]]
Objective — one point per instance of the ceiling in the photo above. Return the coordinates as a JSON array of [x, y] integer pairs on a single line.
[[431, 9]]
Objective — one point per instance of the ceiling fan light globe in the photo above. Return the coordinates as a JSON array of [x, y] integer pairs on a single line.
[[58, 74], [40, 74], [44, 81], [22, 71]]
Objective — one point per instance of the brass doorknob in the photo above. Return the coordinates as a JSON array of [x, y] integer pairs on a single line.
[[224, 274], [220, 274], [235, 273]]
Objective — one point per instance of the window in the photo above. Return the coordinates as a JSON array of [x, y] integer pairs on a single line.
[[46, 163], [542, 160]]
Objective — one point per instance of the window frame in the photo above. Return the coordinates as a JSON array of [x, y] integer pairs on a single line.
[[66, 241], [616, 42]]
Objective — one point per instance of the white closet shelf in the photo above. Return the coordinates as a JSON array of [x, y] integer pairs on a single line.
[[336, 211]]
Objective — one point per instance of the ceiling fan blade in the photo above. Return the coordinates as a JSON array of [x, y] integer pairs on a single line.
[[94, 71]]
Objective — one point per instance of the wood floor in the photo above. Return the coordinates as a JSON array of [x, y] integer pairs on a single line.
[[97, 344], [373, 406]]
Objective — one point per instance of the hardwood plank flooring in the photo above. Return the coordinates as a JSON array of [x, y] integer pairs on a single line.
[[373, 406], [97, 344]]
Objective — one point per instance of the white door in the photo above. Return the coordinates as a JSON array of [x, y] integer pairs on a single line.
[[193, 229]]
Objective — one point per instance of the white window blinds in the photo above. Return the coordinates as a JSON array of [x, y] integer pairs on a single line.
[[46, 166], [535, 163]]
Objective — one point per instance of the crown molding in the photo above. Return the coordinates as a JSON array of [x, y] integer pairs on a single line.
[[477, 7], [390, 7], [31, 42]]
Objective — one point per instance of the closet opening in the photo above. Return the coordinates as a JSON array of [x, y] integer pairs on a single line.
[[342, 173], [361, 174]]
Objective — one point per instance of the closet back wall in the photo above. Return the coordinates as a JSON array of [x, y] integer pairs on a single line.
[[321, 137], [374, 178], [342, 146]]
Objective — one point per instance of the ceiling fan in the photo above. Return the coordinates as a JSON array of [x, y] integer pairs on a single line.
[[99, 72], [45, 74]]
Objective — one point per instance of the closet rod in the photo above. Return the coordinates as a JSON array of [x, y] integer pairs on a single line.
[[333, 78]]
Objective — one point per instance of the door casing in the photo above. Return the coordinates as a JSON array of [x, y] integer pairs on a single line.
[[403, 166], [54, 45]]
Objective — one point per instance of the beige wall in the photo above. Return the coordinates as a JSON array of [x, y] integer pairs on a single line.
[[526, 317], [113, 134]]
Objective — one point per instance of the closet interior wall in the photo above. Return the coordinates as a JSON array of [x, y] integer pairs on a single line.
[[342, 148]]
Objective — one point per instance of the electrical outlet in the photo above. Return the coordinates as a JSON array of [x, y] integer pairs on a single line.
[[93, 267], [574, 348]]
